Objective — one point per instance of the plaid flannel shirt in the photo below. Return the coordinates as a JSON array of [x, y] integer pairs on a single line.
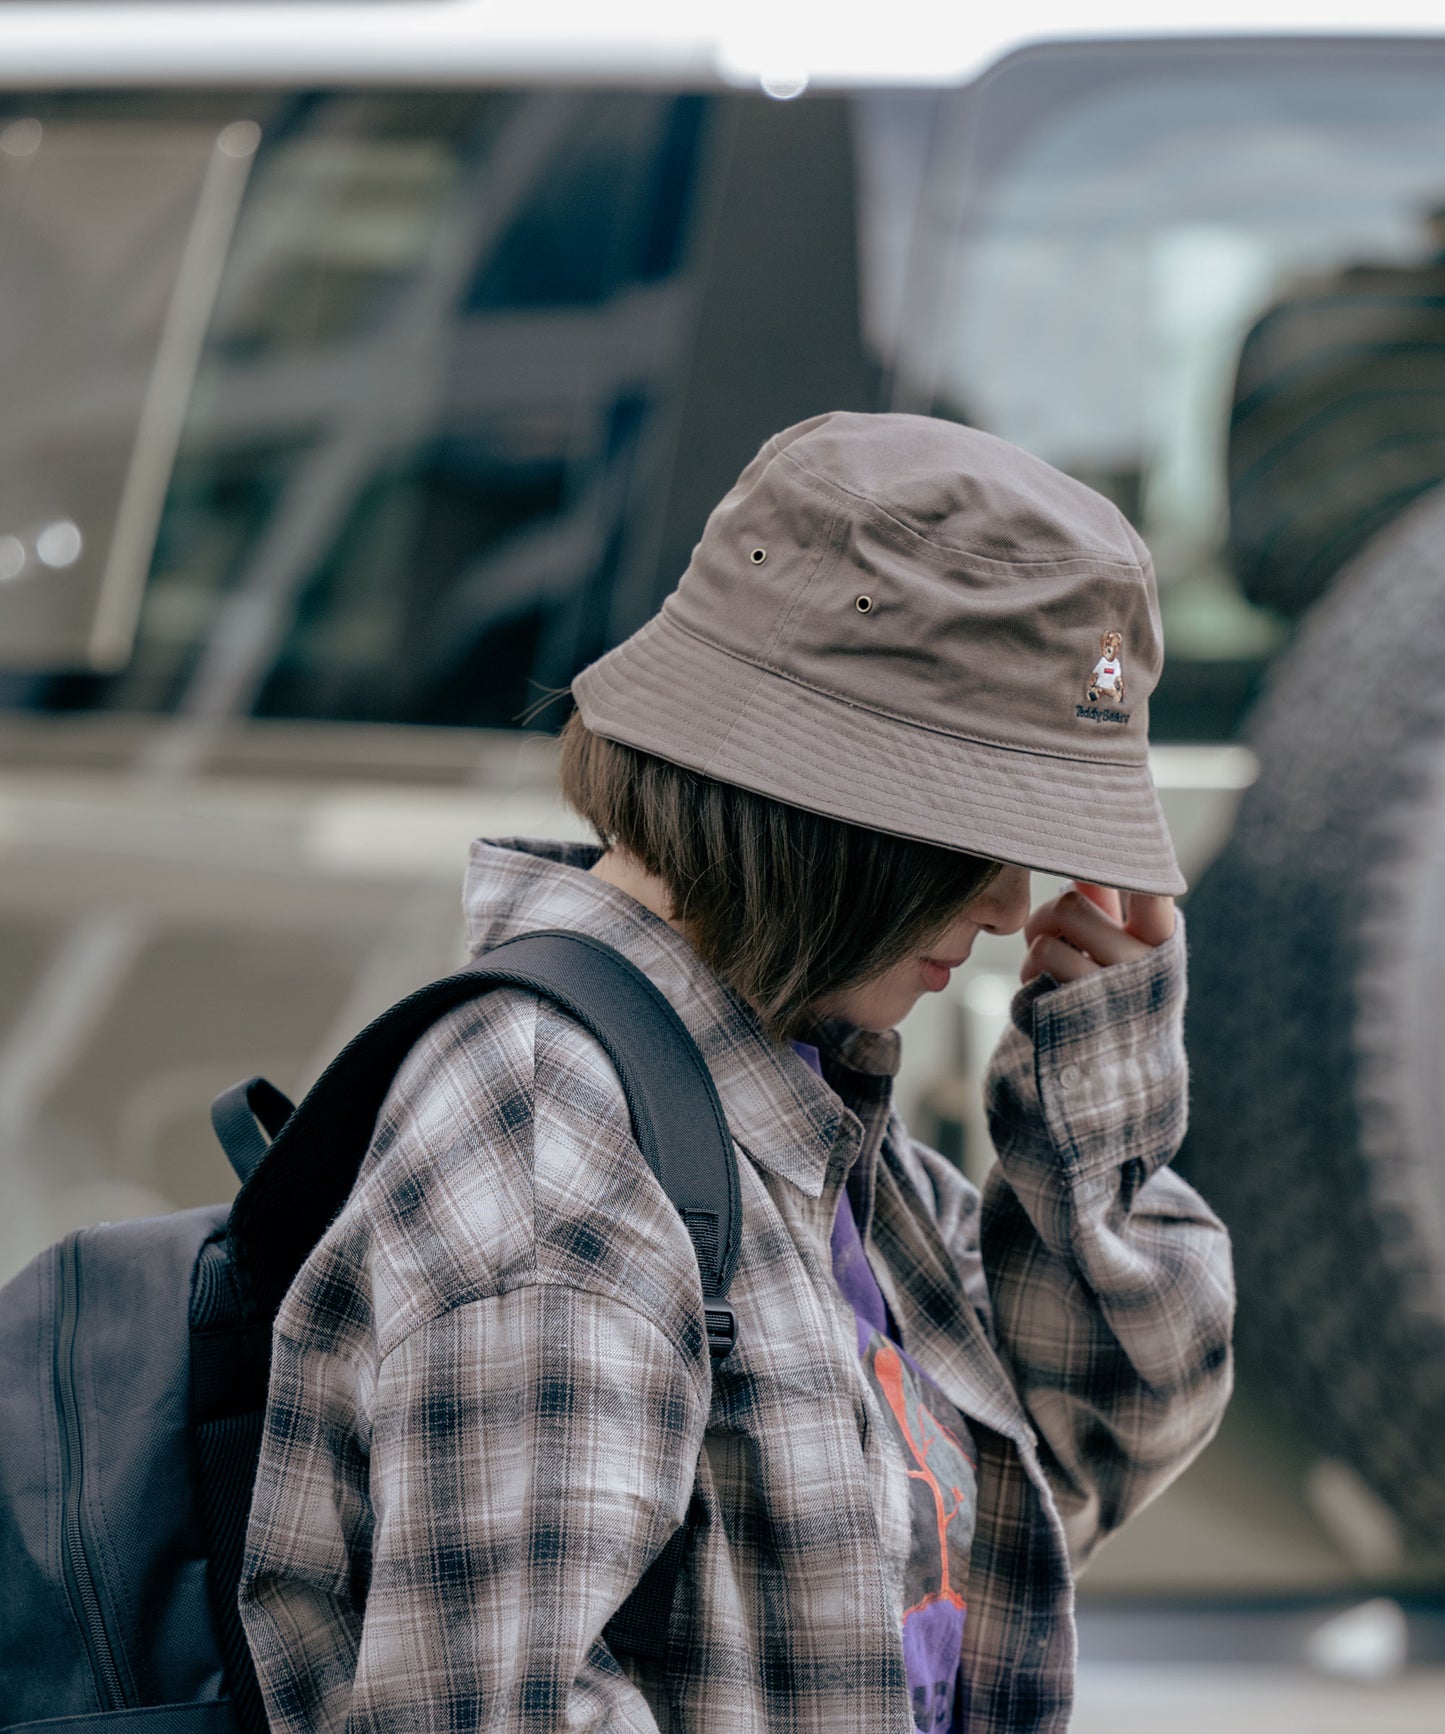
[[491, 1400]]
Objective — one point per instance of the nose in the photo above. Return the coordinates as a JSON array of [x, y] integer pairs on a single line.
[[1004, 907]]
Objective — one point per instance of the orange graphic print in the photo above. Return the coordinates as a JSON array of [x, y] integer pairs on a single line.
[[934, 1448], [937, 1454]]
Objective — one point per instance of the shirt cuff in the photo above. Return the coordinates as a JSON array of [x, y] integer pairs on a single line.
[[1109, 1062]]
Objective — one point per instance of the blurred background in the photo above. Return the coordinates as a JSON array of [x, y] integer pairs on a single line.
[[353, 401]]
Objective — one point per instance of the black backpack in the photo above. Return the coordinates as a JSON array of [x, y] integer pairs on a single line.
[[134, 1360]]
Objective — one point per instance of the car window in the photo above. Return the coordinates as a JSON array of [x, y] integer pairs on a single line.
[[1107, 232], [405, 489], [111, 234]]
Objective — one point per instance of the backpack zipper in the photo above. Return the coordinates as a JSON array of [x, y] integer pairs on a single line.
[[79, 1574]]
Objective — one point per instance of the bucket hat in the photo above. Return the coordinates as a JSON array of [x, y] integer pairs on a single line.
[[913, 626]]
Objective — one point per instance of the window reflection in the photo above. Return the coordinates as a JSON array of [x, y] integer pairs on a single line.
[[1102, 251], [408, 485]]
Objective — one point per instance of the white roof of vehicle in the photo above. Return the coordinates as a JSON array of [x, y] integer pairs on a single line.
[[695, 42]]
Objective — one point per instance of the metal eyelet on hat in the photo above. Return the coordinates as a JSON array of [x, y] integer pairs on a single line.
[[864, 604], [759, 555]]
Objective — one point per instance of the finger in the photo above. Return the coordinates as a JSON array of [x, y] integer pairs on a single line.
[[1081, 922], [1105, 896], [1055, 915], [1056, 957], [1150, 919], [1046, 918]]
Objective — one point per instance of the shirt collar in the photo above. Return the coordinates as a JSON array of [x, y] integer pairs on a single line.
[[786, 1117]]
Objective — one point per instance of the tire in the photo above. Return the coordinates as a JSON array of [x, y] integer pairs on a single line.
[[1337, 426], [1316, 1025]]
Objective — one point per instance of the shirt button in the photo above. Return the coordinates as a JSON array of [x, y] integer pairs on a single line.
[[1069, 1076]]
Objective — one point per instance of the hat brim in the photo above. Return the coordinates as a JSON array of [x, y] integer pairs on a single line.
[[668, 692]]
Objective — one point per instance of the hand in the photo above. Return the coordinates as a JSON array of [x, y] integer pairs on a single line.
[[1088, 927]]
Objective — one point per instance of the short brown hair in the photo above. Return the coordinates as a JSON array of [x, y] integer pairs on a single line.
[[785, 905]]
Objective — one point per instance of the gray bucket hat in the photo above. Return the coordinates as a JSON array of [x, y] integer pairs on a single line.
[[911, 625]]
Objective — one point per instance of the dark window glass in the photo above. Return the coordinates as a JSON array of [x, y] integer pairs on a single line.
[[420, 450]]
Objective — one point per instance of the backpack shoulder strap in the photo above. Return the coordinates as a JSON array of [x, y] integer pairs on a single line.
[[295, 1189]]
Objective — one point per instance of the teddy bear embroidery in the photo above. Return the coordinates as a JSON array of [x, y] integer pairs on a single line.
[[1107, 680], [1106, 684]]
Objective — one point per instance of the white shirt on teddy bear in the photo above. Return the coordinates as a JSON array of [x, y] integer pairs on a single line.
[[1106, 673]]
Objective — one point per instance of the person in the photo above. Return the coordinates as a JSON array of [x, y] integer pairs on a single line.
[[817, 775]]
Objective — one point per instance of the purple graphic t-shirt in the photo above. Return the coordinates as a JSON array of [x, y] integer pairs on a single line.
[[935, 1442]]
